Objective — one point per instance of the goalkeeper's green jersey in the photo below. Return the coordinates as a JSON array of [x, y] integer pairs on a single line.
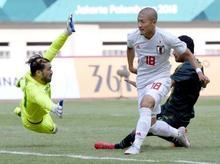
[[37, 97]]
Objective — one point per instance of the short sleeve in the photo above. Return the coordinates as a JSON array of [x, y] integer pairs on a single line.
[[130, 43], [179, 46], [176, 44]]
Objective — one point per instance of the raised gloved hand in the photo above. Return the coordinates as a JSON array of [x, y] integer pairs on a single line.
[[58, 109], [70, 25]]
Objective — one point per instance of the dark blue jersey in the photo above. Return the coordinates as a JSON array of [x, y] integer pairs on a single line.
[[184, 94]]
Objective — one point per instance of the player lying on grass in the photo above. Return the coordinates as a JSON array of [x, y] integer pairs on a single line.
[[178, 110], [36, 105]]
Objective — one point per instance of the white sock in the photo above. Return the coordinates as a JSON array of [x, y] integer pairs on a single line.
[[161, 128], [143, 126]]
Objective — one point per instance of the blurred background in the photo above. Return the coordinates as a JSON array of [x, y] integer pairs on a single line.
[[87, 65]]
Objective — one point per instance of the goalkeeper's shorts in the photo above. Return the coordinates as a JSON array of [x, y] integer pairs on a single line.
[[45, 126]]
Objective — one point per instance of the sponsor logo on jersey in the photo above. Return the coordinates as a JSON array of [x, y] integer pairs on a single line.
[[138, 46]]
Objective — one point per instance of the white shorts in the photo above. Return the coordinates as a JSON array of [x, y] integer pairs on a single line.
[[158, 90]]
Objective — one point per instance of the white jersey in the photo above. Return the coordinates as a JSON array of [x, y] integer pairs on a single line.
[[153, 54]]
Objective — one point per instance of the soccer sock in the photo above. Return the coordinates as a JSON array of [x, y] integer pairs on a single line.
[[127, 141], [143, 126], [161, 128]]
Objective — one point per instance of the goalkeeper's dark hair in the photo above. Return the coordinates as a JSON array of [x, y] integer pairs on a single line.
[[37, 62]]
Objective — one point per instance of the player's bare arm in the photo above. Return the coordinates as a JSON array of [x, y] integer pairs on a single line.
[[130, 58], [187, 55], [131, 82]]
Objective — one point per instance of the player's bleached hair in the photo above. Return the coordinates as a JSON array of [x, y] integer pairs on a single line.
[[37, 62], [152, 13]]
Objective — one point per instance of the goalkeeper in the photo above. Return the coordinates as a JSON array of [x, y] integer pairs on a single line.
[[36, 105]]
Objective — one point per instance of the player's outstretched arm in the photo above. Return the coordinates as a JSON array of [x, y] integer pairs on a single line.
[[59, 42], [70, 28]]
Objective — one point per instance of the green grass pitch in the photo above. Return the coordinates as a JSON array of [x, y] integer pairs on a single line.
[[87, 121]]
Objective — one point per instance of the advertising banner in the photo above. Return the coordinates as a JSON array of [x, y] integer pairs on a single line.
[[98, 77], [107, 11], [94, 77], [64, 81], [80, 69]]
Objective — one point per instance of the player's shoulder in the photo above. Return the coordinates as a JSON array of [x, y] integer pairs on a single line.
[[133, 34], [187, 68], [30, 81], [164, 34]]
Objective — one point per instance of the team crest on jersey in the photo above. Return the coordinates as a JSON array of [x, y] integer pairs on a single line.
[[160, 48]]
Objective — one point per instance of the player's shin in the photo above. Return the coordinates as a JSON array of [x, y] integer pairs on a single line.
[[161, 128], [143, 126], [127, 141]]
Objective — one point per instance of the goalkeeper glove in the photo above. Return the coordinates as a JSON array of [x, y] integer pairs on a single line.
[[58, 109], [70, 25], [60, 103]]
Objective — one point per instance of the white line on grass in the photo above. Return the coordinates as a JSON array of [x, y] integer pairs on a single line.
[[96, 158]]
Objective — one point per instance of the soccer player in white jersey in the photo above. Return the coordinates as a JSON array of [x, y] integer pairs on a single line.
[[152, 46]]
